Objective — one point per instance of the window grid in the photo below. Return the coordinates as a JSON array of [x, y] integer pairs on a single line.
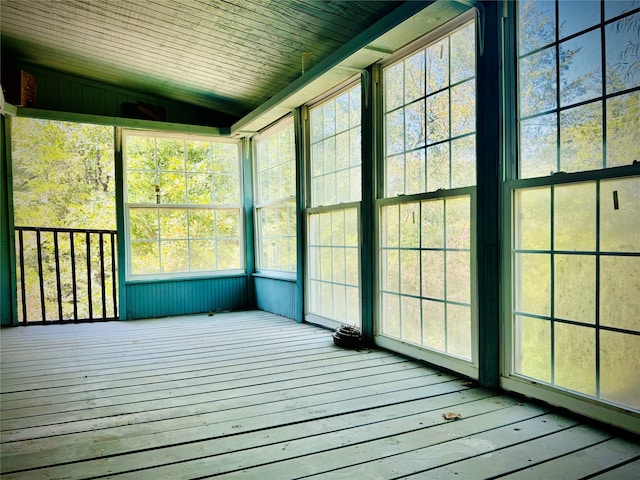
[[275, 199], [452, 144], [572, 326], [628, 200], [182, 209], [429, 121], [334, 181], [395, 272], [605, 103]]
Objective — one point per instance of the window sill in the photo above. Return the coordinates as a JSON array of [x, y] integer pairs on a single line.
[[285, 277]]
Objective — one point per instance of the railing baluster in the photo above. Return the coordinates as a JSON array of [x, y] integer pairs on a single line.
[[103, 291], [73, 276], [57, 259], [41, 275], [114, 277], [23, 283], [89, 293]]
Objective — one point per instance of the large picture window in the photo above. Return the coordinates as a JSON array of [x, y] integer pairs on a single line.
[[333, 240], [426, 256], [575, 201], [275, 198], [183, 205]]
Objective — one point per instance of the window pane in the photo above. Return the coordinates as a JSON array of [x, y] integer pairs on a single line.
[[141, 153], [433, 274], [533, 219], [533, 348], [619, 212], [575, 358], [170, 154], [201, 223], [538, 146], [141, 187], [410, 308], [619, 287], [463, 53], [537, 24], [575, 217], [438, 66], [438, 167], [463, 162], [580, 67], [174, 256], [623, 125], [575, 287], [459, 330], [619, 360], [537, 74], [414, 125], [533, 283], [459, 277], [145, 258], [414, 77], [143, 224], [463, 108], [622, 39], [415, 172], [202, 255], [173, 224], [433, 318], [613, 8], [393, 86], [575, 16], [199, 188], [438, 117], [199, 156], [433, 224], [410, 272]]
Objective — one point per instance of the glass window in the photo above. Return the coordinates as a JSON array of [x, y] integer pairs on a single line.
[[333, 242], [426, 256], [183, 204], [275, 192], [576, 253]]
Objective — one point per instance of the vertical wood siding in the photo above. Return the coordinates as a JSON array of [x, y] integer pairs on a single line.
[[277, 296], [64, 93], [181, 297]]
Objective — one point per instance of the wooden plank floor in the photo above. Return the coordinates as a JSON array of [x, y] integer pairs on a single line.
[[254, 395]]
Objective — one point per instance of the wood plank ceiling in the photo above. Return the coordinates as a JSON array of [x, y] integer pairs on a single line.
[[229, 56]]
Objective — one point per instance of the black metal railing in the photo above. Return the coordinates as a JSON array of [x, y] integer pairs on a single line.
[[66, 274]]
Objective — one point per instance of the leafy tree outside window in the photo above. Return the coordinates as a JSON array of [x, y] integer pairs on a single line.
[[183, 204]]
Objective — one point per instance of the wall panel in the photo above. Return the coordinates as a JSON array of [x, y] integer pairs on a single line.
[[277, 296], [186, 296]]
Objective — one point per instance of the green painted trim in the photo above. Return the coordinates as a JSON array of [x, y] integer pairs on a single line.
[[8, 279], [400, 14], [301, 238], [367, 205], [488, 217], [122, 122], [249, 238], [120, 224], [9, 109]]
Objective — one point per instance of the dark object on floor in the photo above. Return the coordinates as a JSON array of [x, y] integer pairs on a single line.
[[347, 336]]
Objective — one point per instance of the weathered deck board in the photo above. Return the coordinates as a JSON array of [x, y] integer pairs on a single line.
[[253, 395]]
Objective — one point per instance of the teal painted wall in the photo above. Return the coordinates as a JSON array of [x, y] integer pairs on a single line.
[[277, 296], [185, 296]]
